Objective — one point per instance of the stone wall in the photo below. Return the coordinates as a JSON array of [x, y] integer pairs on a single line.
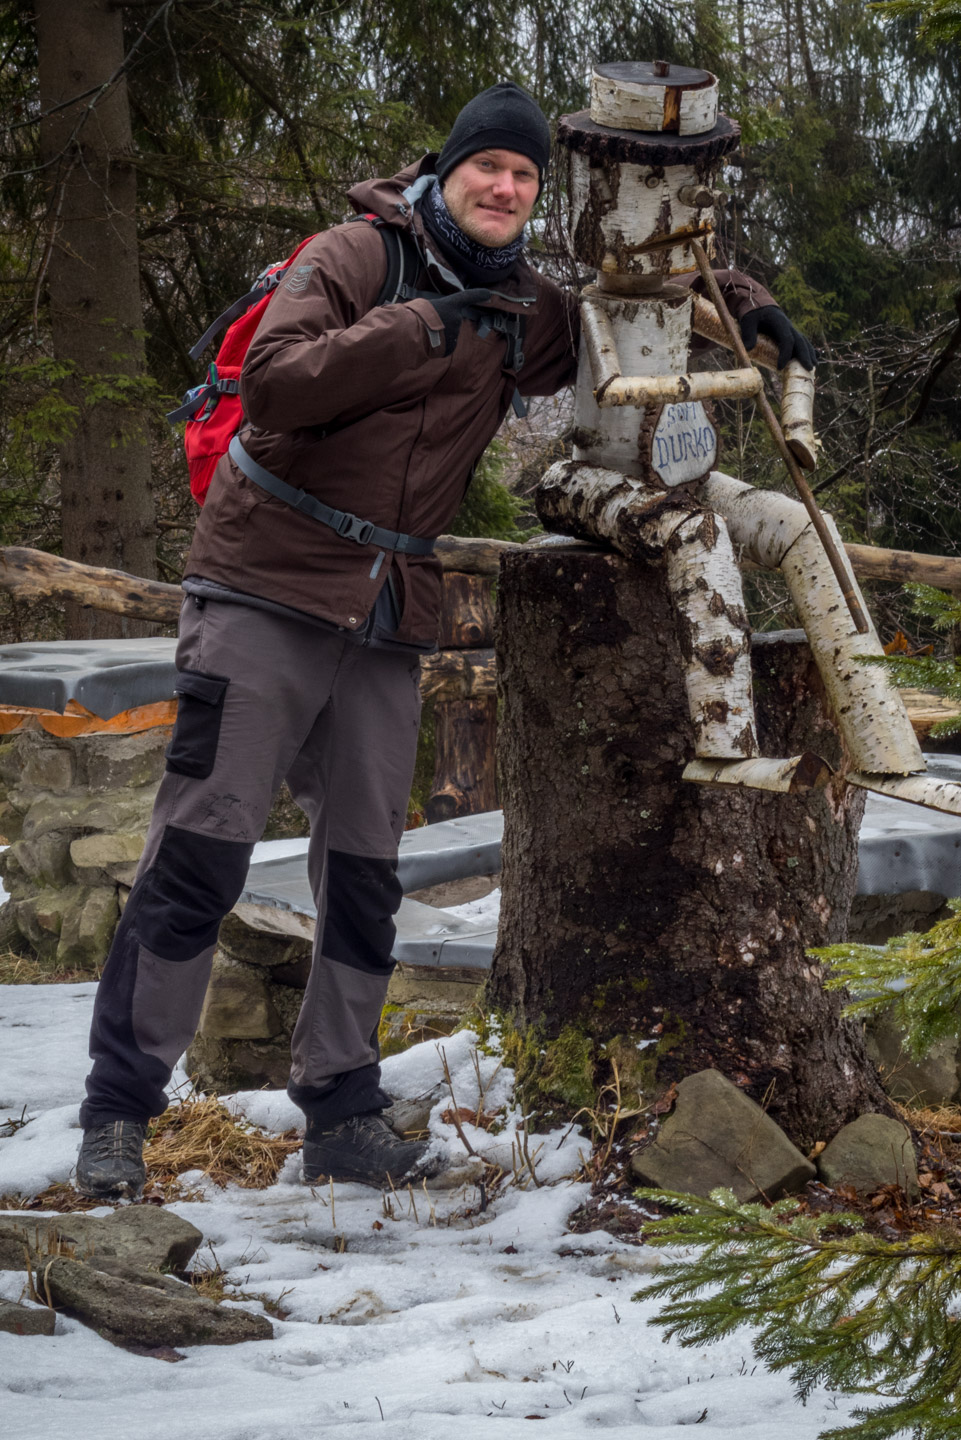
[[75, 814], [254, 996]]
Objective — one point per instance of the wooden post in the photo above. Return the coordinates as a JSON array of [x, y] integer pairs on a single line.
[[465, 772]]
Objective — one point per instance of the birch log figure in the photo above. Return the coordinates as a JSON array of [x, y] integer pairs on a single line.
[[646, 921], [775, 531], [703, 577]]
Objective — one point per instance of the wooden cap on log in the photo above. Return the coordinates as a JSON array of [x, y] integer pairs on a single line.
[[654, 96]]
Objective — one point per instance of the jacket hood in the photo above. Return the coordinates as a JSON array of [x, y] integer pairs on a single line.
[[386, 197]]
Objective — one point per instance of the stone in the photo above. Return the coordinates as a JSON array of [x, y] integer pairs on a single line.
[[241, 942], [87, 929], [106, 849], [45, 764], [16, 1319], [11, 822], [129, 1312], [716, 1136], [872, 1151], [875, 919], [930, 1081], [237, 1004], [123, 875], [10, 761], [46, 860], [287, 1002], [78, 810], [410, 1117], [145, 1235], [222, 1066], [119, 762], [41, 917]]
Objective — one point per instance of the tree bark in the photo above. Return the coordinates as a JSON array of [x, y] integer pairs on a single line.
[[640, 911], [93, 281]]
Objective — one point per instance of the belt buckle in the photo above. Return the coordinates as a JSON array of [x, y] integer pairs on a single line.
[[351, 527]]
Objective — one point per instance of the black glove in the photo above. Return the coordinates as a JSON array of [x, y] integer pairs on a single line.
[[771, 320], [454, 310]]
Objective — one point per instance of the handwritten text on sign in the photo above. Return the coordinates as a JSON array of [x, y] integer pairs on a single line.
[[684, 446]]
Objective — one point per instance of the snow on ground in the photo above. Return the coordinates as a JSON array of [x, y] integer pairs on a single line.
[[407, 1317]]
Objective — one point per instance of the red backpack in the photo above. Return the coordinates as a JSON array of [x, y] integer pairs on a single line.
[[213, 410]]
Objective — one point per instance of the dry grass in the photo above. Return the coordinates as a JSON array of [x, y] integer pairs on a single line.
[[19, 970], [938, 1125], [200, 1134], [60, 1197], [203, 1135]]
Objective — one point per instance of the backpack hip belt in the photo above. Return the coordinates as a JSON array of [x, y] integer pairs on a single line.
[[342, 522]]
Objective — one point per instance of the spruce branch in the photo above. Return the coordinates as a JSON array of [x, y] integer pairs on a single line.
[[926, 672], [915, 978], [833, 1305]]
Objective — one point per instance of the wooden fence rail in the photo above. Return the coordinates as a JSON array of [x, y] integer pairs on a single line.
[[460, 678]]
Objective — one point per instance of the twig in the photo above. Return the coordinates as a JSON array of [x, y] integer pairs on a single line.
[[941, 364], [455, 1118]]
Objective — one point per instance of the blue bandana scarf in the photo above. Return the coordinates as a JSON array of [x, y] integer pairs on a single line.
[[481, 257]]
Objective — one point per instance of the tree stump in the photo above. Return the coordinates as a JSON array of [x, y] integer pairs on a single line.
[[658, 924]]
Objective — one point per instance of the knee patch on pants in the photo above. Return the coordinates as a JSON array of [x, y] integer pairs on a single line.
[[193, 882], [363, 896]]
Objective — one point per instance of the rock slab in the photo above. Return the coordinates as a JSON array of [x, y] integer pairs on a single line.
[[26, 1319], [716, 1136], [144, 1235], [872, 1151], [128, 1311]]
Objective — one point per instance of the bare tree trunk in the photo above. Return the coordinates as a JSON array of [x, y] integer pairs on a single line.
[[93, 279], [646, 916]]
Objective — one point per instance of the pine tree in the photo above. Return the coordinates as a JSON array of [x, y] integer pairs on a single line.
[[833, 1305]]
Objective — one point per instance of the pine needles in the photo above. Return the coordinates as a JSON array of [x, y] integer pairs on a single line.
[[833, 1305], [915, 978], [942, 612]]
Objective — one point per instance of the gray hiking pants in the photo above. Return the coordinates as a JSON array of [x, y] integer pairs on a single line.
[[264, 698]]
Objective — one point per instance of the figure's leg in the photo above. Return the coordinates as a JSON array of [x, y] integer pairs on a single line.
[[353, 779], [251, 685]]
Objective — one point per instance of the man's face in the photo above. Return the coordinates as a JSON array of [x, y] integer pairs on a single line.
[[491, 195]]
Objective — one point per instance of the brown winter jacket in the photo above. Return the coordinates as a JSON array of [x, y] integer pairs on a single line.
[[409, 423], [358, 405]]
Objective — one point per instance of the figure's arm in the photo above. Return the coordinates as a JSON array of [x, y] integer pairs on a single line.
[[757, 312]]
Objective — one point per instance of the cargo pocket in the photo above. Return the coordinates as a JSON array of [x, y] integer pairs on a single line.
[[200, 708]]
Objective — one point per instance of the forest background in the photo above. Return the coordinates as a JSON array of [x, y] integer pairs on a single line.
[[158, 153]]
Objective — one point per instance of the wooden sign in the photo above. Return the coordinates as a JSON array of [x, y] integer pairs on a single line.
[[684, 443]]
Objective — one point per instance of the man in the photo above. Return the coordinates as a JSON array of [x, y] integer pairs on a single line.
[[304, 619]]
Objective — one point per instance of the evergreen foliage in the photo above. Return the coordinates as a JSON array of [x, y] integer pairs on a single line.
[[939, 21], [833, 1305], [916, 979], [929, 672]]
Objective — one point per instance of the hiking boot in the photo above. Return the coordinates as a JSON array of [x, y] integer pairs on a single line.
[[110, 1165], [364, 1150]]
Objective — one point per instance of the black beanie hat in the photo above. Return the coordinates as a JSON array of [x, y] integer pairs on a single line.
[[503, 117]]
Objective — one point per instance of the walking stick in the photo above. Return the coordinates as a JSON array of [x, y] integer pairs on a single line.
[[794, 470]]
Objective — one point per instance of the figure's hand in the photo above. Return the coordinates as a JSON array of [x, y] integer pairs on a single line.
[[453, 311], [771, 320]]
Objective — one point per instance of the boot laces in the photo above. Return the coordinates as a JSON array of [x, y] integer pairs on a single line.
[[118, 1140]]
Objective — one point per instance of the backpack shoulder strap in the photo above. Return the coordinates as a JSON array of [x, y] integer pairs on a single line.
[[403, 260]]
